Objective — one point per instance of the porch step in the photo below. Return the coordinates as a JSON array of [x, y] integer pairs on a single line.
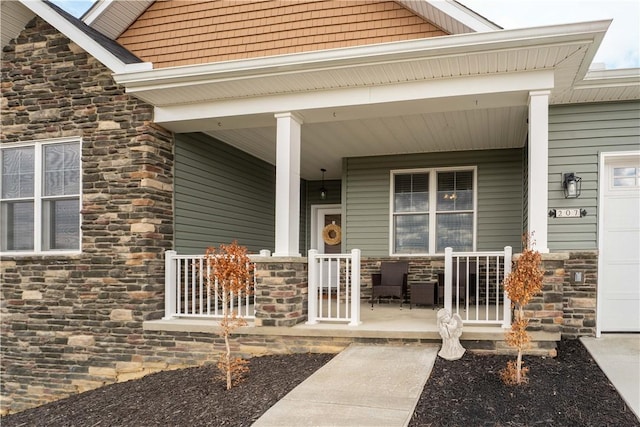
[[361, 386]]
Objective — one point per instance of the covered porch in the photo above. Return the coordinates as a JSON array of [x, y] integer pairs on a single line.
[[426, 103], [292, 299]]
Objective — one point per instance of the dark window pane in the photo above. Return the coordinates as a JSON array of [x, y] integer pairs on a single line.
[[455, 231], [61, 224], [18, 172], [17, 226], [455, 191], [411, 193]]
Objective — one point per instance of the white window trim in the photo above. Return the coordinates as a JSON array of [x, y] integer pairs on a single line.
[[433, 189], [37, 197]]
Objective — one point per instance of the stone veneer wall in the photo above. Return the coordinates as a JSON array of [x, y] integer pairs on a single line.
[[281, 294], [69, 319]]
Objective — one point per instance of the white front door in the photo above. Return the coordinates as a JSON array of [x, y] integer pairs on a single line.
[[327, 239], [619, 278], [326, 220]]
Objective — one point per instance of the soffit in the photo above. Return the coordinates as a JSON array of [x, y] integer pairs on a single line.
[[14, 18], [111, 18]]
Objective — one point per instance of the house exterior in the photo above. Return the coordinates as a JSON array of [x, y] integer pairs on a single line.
[[157, 126]]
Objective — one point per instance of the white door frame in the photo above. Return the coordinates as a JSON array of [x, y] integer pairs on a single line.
[[605, 158], [318, 211]]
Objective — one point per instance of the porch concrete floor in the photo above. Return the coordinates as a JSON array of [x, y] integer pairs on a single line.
[[385, 321]]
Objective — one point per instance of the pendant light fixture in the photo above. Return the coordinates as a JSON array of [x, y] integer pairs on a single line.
[[323, 190]]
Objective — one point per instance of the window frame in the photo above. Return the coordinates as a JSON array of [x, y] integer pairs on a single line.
[[39, 198], [432, 211]]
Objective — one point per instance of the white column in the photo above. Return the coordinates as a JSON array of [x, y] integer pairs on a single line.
[[538, 168], [287, 185]]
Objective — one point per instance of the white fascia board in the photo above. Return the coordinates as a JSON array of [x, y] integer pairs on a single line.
[[80, 38], [455, 87], [95, 11], [610, 78], [362, 55], [464, 15]]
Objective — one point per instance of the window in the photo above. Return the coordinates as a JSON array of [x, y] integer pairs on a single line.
[[626, 177], [40, 196], [433, 209]]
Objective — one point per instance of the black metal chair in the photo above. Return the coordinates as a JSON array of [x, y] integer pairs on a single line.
[[390, 282], [462, 283]]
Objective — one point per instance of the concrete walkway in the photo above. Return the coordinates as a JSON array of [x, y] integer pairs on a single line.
[[361, 386], [618, 355]]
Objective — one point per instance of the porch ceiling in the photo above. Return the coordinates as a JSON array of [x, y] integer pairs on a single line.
[[325, 144]]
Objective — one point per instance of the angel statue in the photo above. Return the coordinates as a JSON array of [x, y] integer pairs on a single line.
[[450, 330]]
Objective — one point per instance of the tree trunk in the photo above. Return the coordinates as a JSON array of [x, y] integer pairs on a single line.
[[519, 360]]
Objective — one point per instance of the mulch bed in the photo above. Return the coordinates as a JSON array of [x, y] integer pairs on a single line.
[[569, 390]]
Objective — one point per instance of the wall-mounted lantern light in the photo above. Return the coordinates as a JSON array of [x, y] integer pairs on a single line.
[[572, 185], [323, 190]]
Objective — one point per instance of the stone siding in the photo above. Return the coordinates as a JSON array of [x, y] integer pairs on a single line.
[[72, 322], [281, 294]]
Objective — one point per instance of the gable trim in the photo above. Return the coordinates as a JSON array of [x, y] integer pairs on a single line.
[[83, 40]]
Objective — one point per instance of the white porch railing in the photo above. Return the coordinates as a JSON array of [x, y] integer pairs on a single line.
[[334, 287], [187, 293], [473, 286]]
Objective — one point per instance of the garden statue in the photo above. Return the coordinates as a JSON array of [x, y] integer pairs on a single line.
[[450, 328]]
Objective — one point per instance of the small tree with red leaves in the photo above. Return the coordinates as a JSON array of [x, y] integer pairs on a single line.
[[522, 284], [230, 271]]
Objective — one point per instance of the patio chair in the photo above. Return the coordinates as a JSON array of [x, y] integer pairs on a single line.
[[390, 282], [462, 283]]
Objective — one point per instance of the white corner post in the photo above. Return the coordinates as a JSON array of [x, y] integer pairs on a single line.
[[287, 185], [506, 313], [355, 287], [169, 284], [312, 277], [448, 278], [538, 169]]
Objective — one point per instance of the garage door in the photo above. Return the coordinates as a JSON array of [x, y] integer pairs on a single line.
[[620, 245]]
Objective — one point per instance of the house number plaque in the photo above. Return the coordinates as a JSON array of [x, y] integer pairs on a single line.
[[567, 213]]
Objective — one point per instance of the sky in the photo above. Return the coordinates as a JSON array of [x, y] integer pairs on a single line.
[[619, 49]]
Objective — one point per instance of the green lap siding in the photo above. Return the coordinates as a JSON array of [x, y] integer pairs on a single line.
[[577, 134], [500, 194], [221, 194]]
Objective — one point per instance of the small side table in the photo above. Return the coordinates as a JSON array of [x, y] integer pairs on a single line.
[[423, 293]]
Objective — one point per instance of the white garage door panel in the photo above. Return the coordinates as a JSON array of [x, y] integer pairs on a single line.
[[622, 315], [619, 280], [614, 251]]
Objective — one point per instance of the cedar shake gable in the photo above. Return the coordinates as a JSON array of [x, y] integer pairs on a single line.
[[172, 33]]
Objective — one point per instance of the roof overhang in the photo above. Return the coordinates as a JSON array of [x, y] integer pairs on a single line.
[[567, 50]]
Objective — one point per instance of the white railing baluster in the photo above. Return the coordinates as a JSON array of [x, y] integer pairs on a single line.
[[339, 276], [490, 270], [188, 294], [201, 286]]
